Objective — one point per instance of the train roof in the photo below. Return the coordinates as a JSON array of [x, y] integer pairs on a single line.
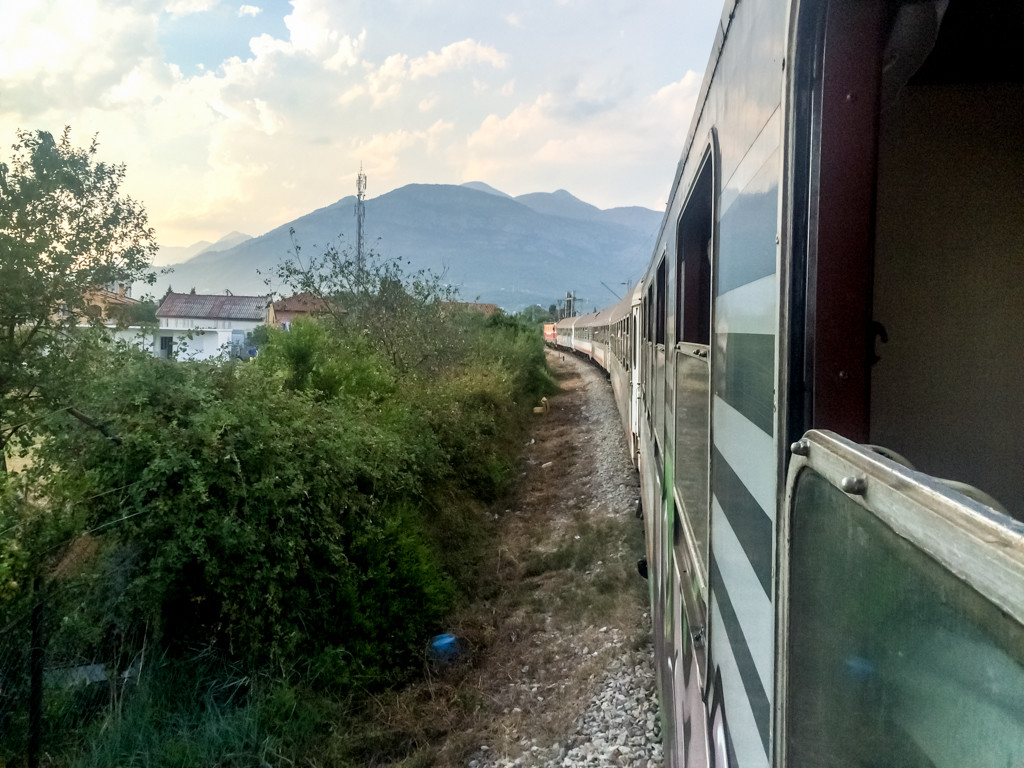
[[606, 316]]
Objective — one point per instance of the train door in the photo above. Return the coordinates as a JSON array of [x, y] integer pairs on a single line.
[[904, 194]]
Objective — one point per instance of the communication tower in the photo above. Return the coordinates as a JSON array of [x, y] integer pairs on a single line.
[[567, 306], [360, 215]]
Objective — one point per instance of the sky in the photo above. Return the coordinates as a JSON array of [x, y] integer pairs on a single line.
[[245, 115]]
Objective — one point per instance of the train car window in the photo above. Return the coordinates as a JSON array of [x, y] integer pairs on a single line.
[[693, 261], [649, 315], [894, 658], [694, 237], [660, 304]]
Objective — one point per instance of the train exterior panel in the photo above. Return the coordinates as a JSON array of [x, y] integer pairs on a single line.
[[840, 252]]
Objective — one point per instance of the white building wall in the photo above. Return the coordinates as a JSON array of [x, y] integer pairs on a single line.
[[193, 344], [209, 338], [143, 338]]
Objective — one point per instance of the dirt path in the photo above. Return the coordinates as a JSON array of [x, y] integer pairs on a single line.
[[560, 671]]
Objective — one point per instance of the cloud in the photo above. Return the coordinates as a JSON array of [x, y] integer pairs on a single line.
[[315, 30], [249, 10], [575, 141], [384, 83], [381, 151], [68, 52], [347, 54], [456, 56], [186, 7]]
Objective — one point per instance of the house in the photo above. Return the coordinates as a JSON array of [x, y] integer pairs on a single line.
[[112, 302], [124, 318], [304, 304], [201, 326]]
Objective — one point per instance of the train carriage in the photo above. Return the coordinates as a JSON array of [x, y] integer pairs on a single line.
[[828, 390]]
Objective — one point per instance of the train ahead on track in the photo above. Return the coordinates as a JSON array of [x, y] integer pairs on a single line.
[[822, 381]]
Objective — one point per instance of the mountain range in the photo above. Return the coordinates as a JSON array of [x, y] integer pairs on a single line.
[[510, 251]]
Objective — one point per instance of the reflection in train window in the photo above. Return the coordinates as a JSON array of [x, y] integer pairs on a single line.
[[893, 660]]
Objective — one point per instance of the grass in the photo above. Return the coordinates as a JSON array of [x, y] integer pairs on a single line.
[[594, 562]]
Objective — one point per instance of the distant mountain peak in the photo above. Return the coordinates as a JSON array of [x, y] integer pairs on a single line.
[[480, 186], [510, 251], [229, 240], [560, 203], [234, 236]]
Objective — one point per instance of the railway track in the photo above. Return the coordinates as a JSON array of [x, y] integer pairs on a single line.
[[559, 668]]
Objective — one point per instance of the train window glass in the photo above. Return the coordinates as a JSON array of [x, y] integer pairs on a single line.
[[692, 411], [693, 254], [649, 314], [660, 304], [893, 660]]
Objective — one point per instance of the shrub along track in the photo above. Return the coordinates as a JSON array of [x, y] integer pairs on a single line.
[[557, 669]]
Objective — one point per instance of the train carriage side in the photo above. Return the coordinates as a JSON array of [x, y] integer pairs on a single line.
[[613, 347], [583, 336], [841, 252], [707, 433], [564, 332], [613, 351]]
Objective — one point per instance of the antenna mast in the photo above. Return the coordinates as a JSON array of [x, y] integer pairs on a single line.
[[360, 215]]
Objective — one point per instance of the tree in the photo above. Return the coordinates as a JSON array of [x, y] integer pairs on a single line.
[[407, 317], [535, 313], [65, 230]]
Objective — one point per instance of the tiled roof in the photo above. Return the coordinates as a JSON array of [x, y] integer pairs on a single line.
[[482, 308], [301, 302], [215, 307]]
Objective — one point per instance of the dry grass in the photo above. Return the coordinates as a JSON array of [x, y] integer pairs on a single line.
[[17, 463]]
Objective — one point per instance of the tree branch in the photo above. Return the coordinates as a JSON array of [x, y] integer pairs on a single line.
[[103, 429]]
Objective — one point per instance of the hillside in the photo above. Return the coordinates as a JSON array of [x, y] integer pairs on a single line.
[[510, 251], [181, 253]]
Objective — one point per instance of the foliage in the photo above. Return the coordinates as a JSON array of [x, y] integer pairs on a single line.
[[307, 518], [254, 513], [535, 313], [140, 313], [65, 230], [259, 336], [310, 358]]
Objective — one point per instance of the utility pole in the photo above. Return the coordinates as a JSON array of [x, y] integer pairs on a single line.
[[360, 216]]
